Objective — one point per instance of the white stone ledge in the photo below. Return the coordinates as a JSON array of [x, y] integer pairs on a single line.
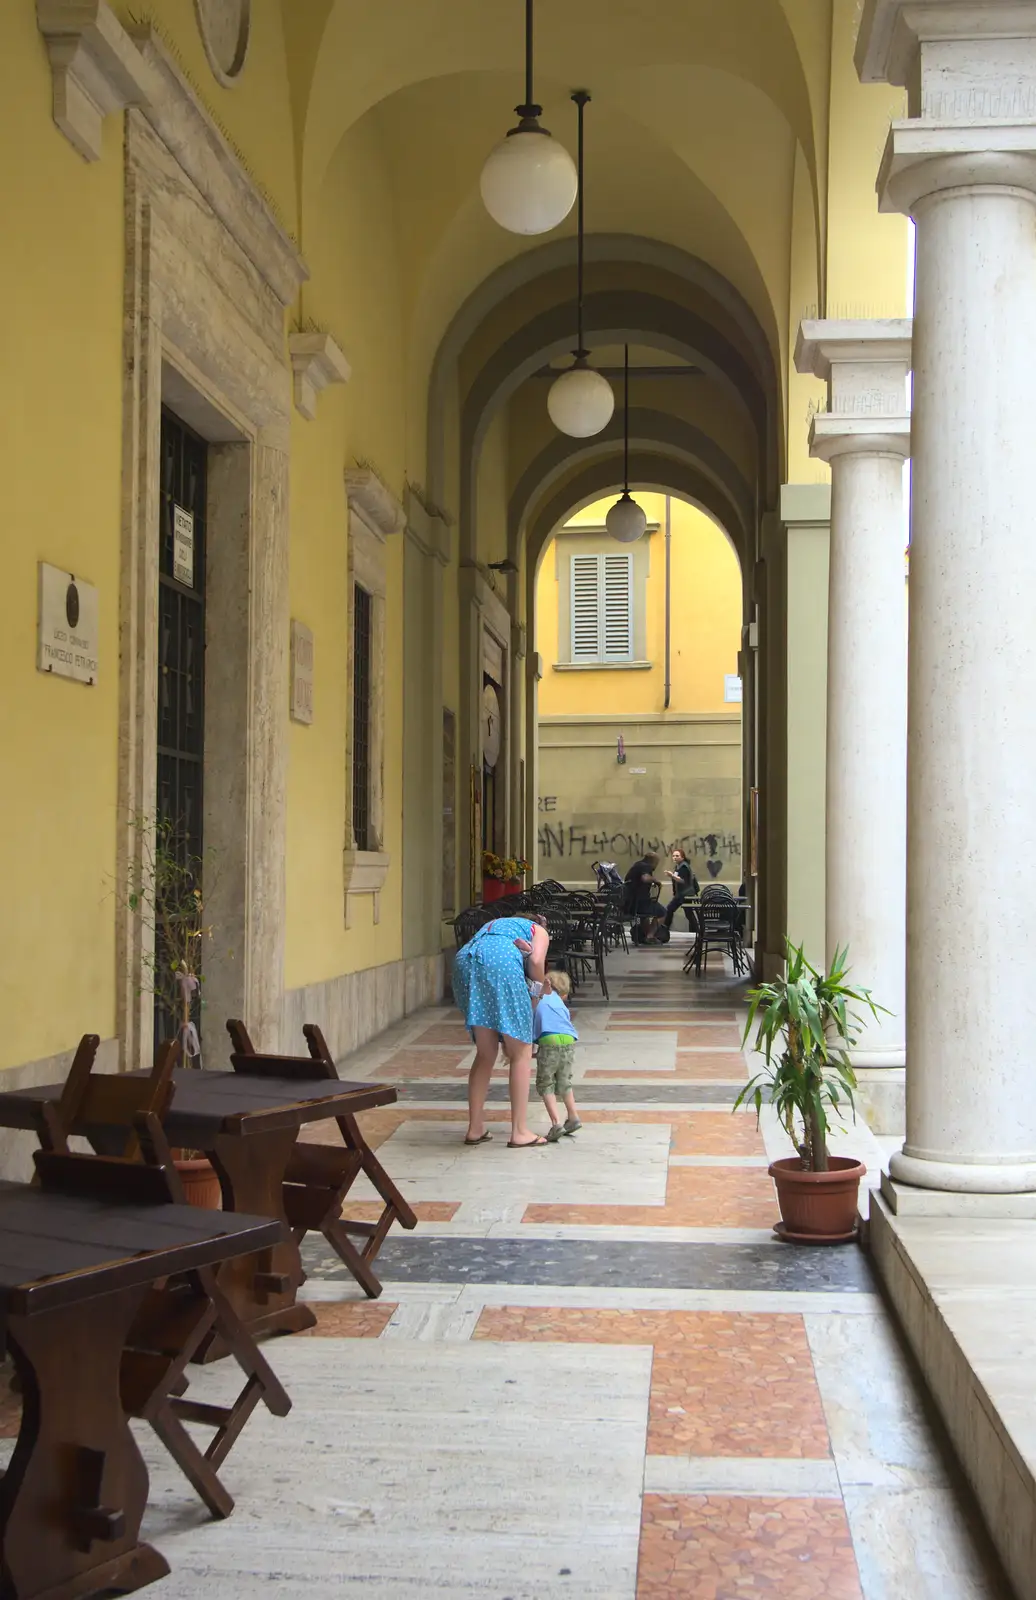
[[96, 68]]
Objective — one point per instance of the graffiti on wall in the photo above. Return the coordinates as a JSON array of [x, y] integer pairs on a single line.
[[571, 841]]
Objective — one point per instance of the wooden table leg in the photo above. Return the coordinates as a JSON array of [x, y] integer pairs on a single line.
[[73, 1497], [261, 1288]]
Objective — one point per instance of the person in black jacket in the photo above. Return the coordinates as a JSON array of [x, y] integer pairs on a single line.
[[684, 884], [638, 900]]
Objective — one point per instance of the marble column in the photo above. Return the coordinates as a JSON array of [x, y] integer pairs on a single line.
[[865, 436], [964, 167]]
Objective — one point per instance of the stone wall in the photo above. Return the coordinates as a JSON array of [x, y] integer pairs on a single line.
[[680, 784]]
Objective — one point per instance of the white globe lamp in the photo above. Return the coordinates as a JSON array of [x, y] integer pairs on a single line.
[[581, 401], [626, 521], [529, 181]]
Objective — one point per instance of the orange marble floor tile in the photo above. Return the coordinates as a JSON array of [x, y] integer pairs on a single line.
[[421, 1064], [707, 1035], [444, 1033], [696, 1197], [424, 1210], [729, 1547], [349, 1319], [717, 1133], [722, 1383]]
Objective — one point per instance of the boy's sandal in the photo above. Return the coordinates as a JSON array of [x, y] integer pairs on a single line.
[[572, 1126], [527, 1144], [555, 1133]]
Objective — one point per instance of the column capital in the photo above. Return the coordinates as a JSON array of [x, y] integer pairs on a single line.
[[831, 436], [866, 365], [970, 74]]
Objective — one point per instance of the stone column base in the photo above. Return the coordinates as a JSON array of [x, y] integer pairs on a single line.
[[881, 1098], [906, 1200]]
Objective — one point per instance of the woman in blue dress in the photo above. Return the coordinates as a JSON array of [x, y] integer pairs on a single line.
[[489, 986]]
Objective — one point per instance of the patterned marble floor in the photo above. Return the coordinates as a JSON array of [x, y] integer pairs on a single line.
[[594, 1372]]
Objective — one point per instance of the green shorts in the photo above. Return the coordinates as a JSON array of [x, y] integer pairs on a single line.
[[555, 1058]]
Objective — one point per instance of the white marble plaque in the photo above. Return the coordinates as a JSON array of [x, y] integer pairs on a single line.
[[68, 630], [301, 673], [732, 689], [183, 546]]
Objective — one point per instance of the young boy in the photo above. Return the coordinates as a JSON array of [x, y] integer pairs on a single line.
[[555, 1039]]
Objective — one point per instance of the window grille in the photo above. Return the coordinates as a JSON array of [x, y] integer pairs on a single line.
[[362, 612]]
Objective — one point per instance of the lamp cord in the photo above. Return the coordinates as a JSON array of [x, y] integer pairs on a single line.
[[626, 419], [581, 99], [528, 52]]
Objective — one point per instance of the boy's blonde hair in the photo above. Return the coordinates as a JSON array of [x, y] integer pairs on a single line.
[[561, 983]]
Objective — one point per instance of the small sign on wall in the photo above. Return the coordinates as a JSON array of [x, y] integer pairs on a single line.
[[183, 546], [732, 689], [68, 628], [301, 673]]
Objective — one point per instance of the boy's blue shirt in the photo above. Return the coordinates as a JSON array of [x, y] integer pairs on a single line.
[[552, 1016]]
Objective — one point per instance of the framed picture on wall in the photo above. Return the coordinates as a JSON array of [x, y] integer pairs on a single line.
[[753, 833]]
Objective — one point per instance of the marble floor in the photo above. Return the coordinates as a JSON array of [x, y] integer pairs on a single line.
[[594, 1372]]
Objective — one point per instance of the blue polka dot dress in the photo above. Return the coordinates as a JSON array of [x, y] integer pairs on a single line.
[[489, 979]]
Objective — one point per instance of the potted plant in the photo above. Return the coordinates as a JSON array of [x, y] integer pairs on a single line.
[[166, 893], [805, 1029], [514, 871], [492, 877]]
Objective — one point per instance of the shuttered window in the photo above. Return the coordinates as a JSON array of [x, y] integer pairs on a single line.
[[602, 608]]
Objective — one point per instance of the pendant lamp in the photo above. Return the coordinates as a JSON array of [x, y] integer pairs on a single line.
[[529, 181], [581, 401], [626, 521]]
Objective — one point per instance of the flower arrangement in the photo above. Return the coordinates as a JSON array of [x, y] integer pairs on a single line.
[[493, 865]]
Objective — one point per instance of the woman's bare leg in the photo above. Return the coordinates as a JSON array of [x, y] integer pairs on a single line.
[[519, 1056], [487, 1046]]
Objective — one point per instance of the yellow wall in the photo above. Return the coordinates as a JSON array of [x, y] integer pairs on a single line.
[[706, 621], [61, 452]]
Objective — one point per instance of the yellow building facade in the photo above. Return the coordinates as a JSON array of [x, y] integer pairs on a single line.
[[640, 694], [247, 266]]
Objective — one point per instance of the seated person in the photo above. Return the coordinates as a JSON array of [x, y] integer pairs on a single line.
[[639, 902]]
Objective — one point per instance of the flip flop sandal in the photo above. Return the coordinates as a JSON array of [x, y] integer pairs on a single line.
[[482, 1139], [529, 1144]]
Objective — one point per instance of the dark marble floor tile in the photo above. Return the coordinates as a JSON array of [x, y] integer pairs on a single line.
[[681, 1093], [610, 1264]]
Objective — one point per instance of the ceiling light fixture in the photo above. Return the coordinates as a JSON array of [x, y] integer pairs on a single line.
[[580, 402], [529, 181], [626, 521]]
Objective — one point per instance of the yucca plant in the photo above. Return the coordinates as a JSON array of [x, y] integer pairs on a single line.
[[805, 1028]]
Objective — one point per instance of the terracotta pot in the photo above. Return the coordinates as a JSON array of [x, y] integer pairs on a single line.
[[492, 889], [200, 1182], [818, 1207]]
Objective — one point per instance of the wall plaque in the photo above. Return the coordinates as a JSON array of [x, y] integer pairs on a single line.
[[732, 689], [68, 629], [301, 673], [183, 546]]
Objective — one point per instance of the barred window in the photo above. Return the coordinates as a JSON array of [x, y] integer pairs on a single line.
[[362, 614]]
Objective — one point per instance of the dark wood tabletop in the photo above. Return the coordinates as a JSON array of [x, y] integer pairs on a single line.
[[58, 1249], [210, 1104]]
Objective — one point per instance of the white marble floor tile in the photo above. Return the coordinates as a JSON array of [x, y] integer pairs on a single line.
[[920, 1544], [784, 1478], [421, 1469], [621, 1164]]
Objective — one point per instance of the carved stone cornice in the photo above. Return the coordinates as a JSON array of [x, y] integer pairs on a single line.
[[376, 505], [316, 361], [96, 69]]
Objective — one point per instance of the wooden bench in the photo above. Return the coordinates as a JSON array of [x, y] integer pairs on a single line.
[[178, 1316], [318, 1177]]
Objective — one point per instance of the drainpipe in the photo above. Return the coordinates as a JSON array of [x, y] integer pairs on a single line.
[[668, 588]]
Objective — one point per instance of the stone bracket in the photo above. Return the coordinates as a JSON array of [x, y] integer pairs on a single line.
[[316, 361], [374, 503], [96, 69], [365, 873]]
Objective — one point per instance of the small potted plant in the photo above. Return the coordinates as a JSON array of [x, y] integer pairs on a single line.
[[516, 869], [805, 1029], [166, 893], [493, 874]]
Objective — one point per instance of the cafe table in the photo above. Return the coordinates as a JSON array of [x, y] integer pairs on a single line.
[[247, 1126], [74, 1271]]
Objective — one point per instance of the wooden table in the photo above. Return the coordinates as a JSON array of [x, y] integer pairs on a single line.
[[247, 1126], [73, 1274]]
